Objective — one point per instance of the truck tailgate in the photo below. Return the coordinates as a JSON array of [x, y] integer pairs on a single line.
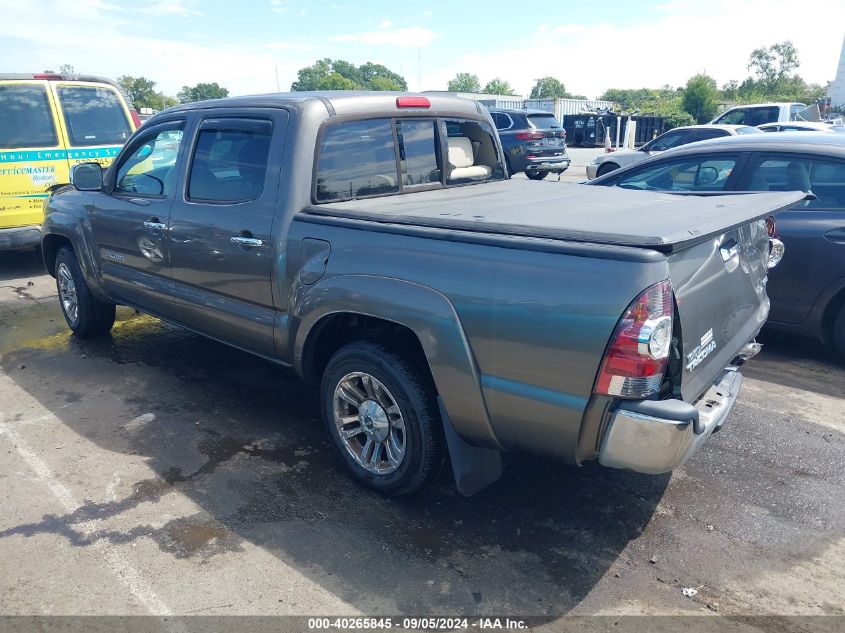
[[720, 293]]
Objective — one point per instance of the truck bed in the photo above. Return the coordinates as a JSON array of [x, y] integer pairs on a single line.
[[571, 212]]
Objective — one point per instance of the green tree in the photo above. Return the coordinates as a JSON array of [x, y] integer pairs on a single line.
[[329, 74], [548, 88], [67, 69], [140, 89], [143, 94], [378, 77], [773, 64], [498, 87], [464, 82], [701, 98], [201, 92]]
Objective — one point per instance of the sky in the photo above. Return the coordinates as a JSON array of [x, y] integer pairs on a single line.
[[246, 45]]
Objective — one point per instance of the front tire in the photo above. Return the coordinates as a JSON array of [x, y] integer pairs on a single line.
[[85, 315], [382, 415], [537, 175]]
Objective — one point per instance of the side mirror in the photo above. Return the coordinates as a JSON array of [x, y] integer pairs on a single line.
[[87, 176]]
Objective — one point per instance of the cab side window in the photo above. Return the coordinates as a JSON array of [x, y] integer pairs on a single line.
[[230, 159], [149, 169]]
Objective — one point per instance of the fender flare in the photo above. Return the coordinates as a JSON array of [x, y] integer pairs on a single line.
[[429, 315], [68, 226]]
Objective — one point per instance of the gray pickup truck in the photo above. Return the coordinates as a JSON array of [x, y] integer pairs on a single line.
[[374, 242]]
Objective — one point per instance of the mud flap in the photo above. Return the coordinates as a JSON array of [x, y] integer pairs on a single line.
[[474, 468]]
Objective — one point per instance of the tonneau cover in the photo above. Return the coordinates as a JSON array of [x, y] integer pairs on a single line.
[[572, 212]]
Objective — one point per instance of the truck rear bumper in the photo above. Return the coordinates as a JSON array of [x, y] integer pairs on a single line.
[[20, 238], [656, 436]]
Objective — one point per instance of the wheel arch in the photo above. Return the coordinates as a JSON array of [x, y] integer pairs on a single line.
[[418, 319]]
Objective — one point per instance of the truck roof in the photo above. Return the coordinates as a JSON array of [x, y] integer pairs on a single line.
[[343, 102], [598, 215]]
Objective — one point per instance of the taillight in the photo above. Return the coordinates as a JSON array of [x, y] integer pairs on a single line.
[[135, 118], [770, 225], [638, 353], [530, 136]]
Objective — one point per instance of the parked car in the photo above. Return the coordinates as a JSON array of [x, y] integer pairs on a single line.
[[333, 233], [807, 289], [533, 140], [801, 126], [606, 163], [759, 113], [48, 123]]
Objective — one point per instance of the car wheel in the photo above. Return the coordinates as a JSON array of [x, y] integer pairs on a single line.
[[86, 315], [838, 333], [606, 168], [536, 175], [382, 415]]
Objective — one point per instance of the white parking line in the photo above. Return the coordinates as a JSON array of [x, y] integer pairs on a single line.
[[122, 568]]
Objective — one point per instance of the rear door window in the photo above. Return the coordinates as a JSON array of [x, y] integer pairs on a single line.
[[25, 117], [93, 115], [543, 122], [357, 159], [784, 172], [230, 160]]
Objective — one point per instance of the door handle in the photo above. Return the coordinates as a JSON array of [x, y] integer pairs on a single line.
[[153, 224], [247, 241], [836, 235]]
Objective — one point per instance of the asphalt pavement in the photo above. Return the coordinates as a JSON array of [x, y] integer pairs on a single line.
[[157, 472]]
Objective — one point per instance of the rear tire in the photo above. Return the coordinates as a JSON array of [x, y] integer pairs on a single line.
[[838, 332], [536, 175], [371, 389], [606, 169], [85, 315]]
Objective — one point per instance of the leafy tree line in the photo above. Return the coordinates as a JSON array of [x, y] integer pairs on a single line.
[[336, 74], [143, 94], [772, 78]]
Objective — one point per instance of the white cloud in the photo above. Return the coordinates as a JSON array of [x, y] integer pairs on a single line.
[[716, 38], [385, 24], [170, 7], [412, 37], [291, 46]]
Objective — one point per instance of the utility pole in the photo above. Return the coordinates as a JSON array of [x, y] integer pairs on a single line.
[[278, 88]]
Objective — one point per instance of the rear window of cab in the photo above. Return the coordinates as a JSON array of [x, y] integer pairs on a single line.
[[376, 157]]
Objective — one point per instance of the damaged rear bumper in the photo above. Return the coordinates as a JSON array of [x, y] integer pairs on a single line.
[[656, 436]]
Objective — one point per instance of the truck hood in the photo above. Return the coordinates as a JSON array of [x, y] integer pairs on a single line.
[[603, 215]]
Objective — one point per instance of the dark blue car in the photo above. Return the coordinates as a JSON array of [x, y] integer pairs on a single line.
[[533, 140], [807, 288]]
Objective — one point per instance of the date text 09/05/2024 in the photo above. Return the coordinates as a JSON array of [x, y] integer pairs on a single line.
[[421, 623]]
